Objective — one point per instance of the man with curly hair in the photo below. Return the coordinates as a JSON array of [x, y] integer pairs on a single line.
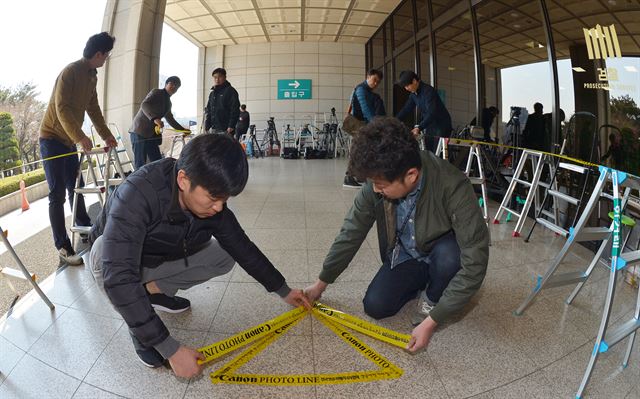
[[432, 235]]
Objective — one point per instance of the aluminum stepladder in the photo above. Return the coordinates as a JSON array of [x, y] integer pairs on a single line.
[[580, 233], [93, 185], [126, 163], [605, 340], [474, 162], [539, 160], [23, 273], [551, 219], [179, 138]]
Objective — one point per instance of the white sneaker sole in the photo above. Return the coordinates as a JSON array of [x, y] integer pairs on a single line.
[[350, 186], [71, 261], [169, 310]]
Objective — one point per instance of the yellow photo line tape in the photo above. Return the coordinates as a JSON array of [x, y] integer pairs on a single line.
[[387, 369], [363, 326], [253, 350], [221, 348]]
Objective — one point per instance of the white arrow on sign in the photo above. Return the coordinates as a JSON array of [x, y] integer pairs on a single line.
[[295, 84]]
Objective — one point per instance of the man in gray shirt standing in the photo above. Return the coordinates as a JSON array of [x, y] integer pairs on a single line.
[[145, 138]]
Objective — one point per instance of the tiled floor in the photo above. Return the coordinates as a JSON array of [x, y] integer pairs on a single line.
[[293, 210]]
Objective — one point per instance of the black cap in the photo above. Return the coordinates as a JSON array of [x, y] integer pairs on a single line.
[[406, 78]]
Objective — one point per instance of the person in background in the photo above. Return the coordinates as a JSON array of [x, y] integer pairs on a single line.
[[145, 139], [223, 107], [365, 105], [436, 121], [74, 93], [244, 120]]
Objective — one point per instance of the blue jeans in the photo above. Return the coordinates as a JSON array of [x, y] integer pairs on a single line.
[[390, 289], [144, 149], [61, 174]]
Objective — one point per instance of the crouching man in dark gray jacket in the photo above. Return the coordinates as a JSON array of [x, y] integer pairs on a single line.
[[154, 237]]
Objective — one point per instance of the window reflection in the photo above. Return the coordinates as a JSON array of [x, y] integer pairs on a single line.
[[403, 24], [456, 74], [513, 48]]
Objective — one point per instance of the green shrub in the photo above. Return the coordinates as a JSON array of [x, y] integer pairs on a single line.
[[11, 184]]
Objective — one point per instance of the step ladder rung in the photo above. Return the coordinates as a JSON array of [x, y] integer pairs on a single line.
[[553, 227], [572, 167], [89, 190], [112, 182], [607, 196], [622, 331], [17, 274], [565, 279], [549, 214], [81, 229], [564, 197], [543, 184], [523, 182], [592, 234], [476, 180], [631, 257], [514, 213]]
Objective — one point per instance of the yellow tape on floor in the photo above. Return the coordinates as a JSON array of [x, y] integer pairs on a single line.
[[265, 334]]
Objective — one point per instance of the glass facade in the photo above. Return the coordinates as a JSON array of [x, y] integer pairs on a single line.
[[578, 59]]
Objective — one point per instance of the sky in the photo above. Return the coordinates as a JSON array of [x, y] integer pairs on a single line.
[[48, 35], [525, 85]]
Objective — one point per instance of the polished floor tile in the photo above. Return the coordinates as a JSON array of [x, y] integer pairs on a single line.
[[293, 212]]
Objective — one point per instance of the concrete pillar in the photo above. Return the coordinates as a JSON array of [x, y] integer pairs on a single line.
[[132, 70], [209, 58]]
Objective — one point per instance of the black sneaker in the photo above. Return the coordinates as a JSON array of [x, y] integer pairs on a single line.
[[169, 304], [350, 182], [148, 356]]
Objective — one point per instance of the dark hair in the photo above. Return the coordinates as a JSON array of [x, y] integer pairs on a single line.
[[537, 106], [376, 72], [384, 148], [220, 71], [215, 162], [406, 78], [243, 106], [494, 109], [101, 42], [173, 79]]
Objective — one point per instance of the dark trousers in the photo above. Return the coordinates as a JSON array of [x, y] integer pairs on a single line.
[[240, 130], [61, 174], [390, 289], [144, 149]]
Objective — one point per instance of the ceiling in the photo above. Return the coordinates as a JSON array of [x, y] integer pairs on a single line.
[[225, 22], [511, 31]]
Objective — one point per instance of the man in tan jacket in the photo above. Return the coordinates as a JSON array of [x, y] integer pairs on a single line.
[[74, 93]]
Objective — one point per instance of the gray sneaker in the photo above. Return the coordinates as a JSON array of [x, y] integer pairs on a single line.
[[423, 309], [70, 257]]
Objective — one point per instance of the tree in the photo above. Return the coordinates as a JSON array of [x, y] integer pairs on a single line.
[[9, 154], [27, 112]]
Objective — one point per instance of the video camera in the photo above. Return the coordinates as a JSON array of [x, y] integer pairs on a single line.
[[271, 123]]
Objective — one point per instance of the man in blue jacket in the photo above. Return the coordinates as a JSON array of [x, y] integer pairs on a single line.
[[436, 120], [167, 228], [365, 105]]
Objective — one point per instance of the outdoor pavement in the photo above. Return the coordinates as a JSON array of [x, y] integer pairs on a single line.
[[293, 209]]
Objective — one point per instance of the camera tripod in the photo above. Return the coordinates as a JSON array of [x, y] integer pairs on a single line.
[[271, 137], [253, 143]]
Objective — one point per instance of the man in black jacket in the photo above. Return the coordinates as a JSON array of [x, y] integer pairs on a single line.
[[154, 237], [244, 120], [223, 107], [145, 139]]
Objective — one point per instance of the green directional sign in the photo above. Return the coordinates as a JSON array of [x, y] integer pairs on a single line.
[[294, 89]]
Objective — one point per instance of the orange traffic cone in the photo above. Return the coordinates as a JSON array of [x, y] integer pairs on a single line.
[[23, 194]]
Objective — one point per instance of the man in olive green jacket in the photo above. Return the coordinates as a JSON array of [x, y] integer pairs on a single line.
[[431, 231]]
